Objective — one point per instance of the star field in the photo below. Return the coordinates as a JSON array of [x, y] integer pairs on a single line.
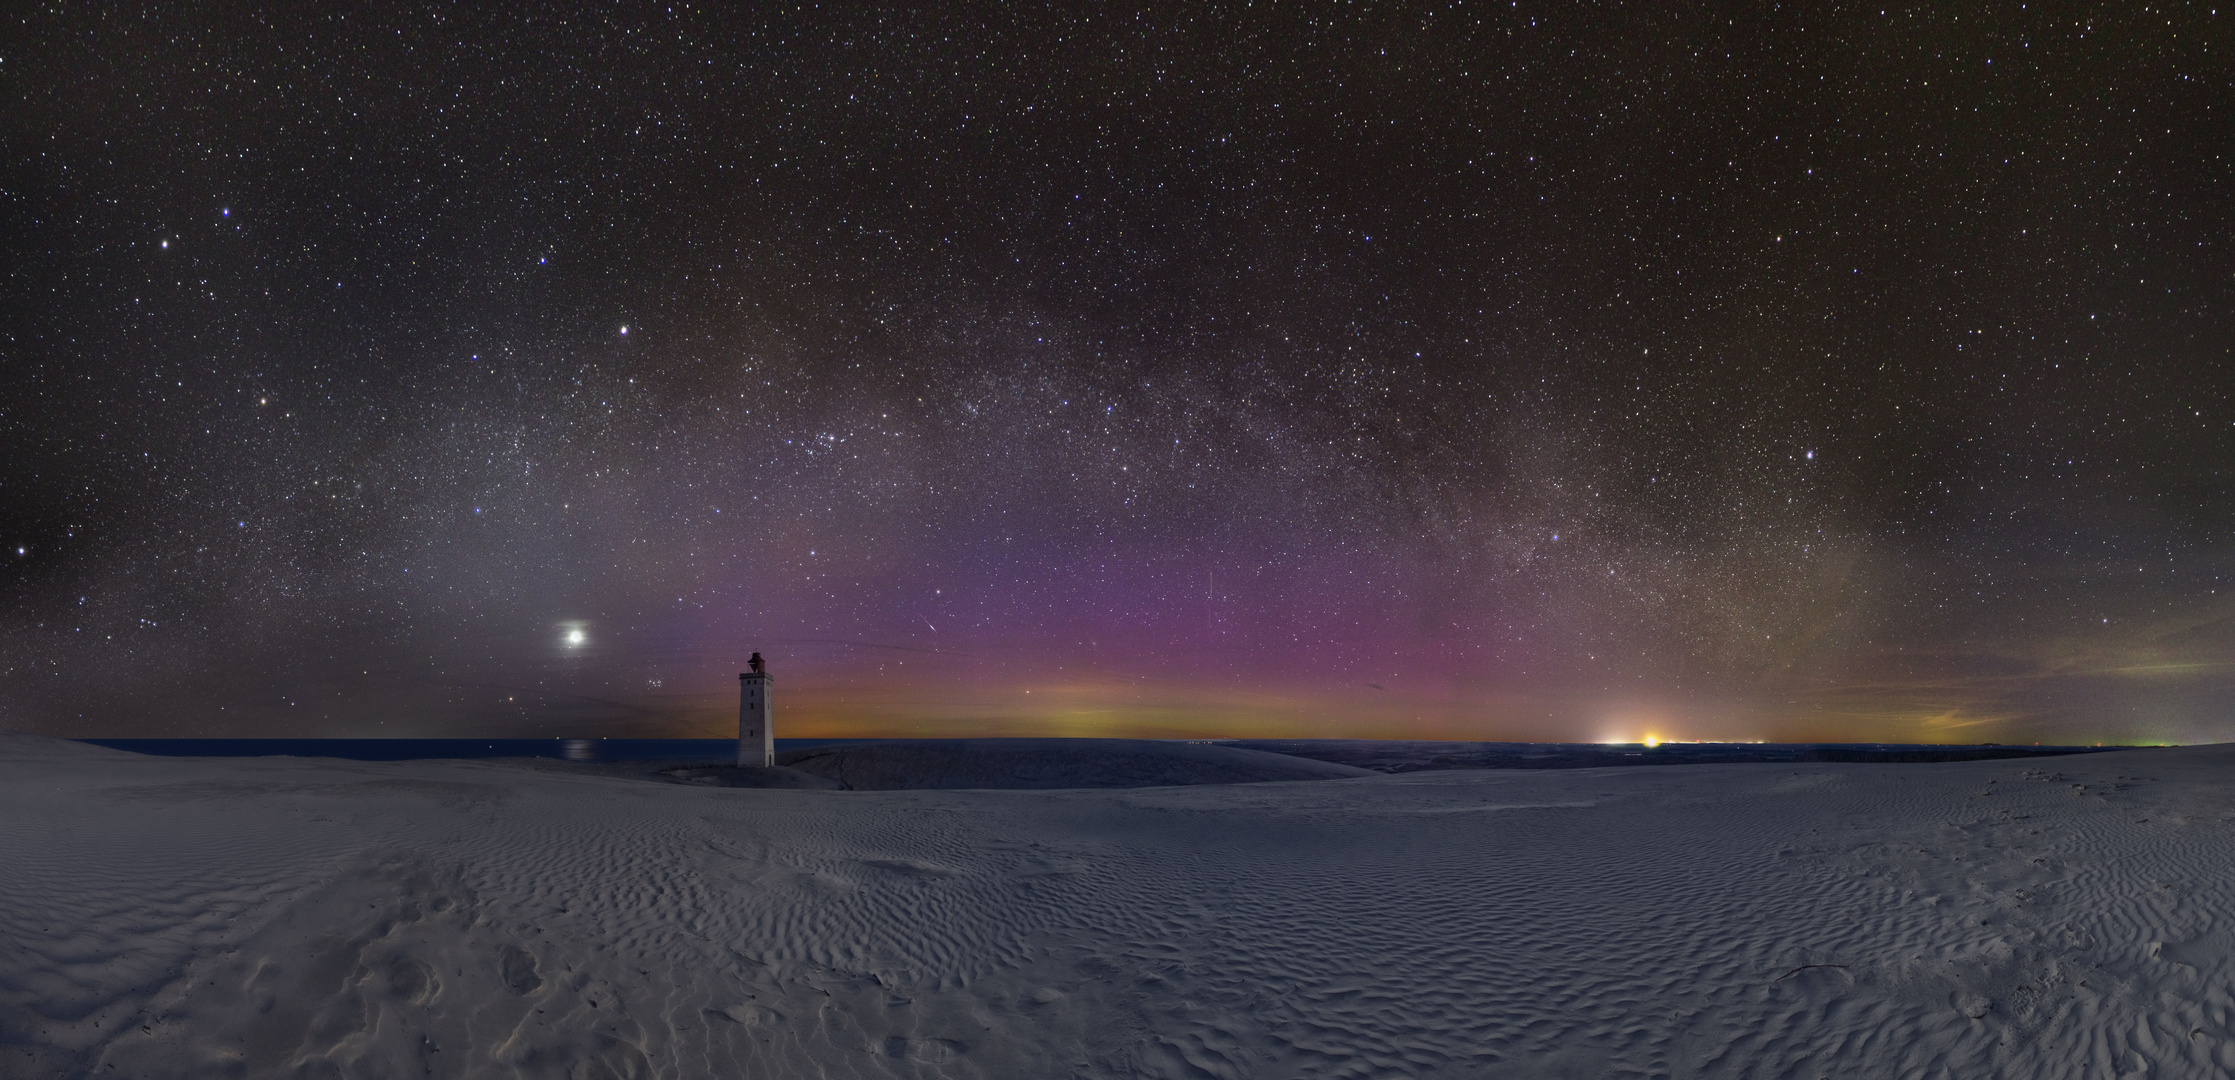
[[1471, 371]]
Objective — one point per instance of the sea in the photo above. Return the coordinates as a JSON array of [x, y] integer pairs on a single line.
[[424, 749]]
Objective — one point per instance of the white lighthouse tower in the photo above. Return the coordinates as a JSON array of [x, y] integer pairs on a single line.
[[756, 717]]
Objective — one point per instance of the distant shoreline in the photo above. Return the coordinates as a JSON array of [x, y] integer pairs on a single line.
[[1380, 755]]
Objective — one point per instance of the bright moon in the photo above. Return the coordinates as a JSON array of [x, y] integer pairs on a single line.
[[574, 637]]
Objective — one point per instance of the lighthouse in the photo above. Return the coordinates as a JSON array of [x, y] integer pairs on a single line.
[[756, 717]]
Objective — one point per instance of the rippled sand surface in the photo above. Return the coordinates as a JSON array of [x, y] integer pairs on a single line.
[[289, 917]]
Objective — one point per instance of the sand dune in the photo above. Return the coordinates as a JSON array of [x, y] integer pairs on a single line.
[[287, 917]]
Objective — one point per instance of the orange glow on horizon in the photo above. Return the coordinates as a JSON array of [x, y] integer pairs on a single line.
[[970, 698]]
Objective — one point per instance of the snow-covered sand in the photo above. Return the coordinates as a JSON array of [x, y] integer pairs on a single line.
[[285, 917]]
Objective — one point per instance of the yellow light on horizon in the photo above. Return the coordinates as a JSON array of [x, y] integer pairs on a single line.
[[1652, 741]]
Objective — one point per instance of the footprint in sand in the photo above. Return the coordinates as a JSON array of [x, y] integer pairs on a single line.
[[928, 1051], [517, 967], [413, 981]]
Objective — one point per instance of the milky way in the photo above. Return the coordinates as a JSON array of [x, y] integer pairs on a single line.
[[1471, 372]]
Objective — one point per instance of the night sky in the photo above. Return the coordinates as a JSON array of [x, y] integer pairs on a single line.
[[1508, 371]]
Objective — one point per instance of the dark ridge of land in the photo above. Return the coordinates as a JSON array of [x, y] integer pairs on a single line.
[[987, 764], [888, 764], [1399, 756], [897, 764], [698, 771]]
